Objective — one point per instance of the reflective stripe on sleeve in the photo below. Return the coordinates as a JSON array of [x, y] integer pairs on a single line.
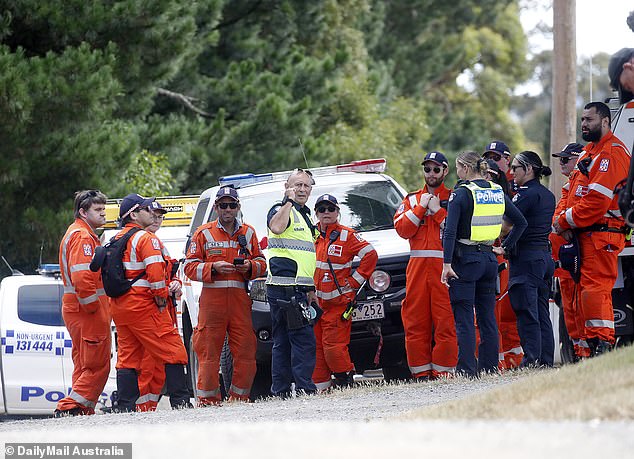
[[358, 277], [413, 200], [411, 216], [157, 285], [88, 299], [569, 218], [601, 189], [153, 259], [364, 251]]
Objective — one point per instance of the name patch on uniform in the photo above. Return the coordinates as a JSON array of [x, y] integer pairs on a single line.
[[215, 252], [192, 247], [489, 196], [209, 245], [604, 164], [156, 244], [335, 250], [88, 250]]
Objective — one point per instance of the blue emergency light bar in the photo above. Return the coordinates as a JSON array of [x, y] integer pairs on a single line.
[[49, 269]]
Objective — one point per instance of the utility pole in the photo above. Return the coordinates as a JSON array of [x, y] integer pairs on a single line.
[[564, 116]]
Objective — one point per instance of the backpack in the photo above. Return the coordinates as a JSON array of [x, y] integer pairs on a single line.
[[109, 258]]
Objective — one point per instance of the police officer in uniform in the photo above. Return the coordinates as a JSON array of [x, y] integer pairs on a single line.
[[290, 287], [474, 221], [531, 263]]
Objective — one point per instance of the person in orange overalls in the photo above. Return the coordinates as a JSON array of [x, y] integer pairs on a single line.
[[144, 325], [573, 318], [592, 212], [224, 254], [336, 284], [85, 306], [426, 309], [152, 375], [511, 352]]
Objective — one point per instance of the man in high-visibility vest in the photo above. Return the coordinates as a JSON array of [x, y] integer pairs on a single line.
[[85, 306], [290, 287]]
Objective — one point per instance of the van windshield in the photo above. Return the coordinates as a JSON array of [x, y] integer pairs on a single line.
[[364, 206]]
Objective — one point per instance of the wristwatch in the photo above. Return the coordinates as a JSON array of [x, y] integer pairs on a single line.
[[287, 199]]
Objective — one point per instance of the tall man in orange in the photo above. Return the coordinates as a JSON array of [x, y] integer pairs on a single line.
[[85, 306], [569, 289], [592, 212], [143, 323], [426, 310], [336, 285], [224, 254]]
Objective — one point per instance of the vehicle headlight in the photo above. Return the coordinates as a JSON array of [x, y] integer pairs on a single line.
[[379, 281], [257, 290]]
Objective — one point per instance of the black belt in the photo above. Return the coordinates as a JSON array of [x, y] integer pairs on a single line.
[[475, 247], [602, 229]]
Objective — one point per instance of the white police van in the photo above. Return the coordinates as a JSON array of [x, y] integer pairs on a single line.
[[368, 200], [36, 365]]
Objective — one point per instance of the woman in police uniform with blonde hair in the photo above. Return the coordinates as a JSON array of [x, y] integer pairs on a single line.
[[474, 220]]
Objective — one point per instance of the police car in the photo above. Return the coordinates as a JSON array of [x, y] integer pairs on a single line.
[[36, 365], [368, 200]]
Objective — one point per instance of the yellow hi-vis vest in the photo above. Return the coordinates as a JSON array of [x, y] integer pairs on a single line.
[[488, 209], [297, 242]]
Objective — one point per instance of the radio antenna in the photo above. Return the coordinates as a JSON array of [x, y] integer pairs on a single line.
[[301, 147]]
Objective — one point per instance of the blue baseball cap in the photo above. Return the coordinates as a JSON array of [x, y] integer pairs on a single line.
[[497, 147], [157, 207], [227, 192], [133, 202], [327, 198], [436, 157]]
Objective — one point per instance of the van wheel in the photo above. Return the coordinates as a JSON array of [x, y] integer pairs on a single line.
[[226, 367], [261, 387], [566, 347]]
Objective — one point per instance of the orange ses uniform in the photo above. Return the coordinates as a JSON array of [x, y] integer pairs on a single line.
[[225, 308], [569, 290], [426, 310], [152, 376], [340, 244], [592, 210], [141, 326], [87, 318]]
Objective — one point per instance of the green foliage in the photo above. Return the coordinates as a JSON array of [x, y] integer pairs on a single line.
[[148, 175], [223, 87]]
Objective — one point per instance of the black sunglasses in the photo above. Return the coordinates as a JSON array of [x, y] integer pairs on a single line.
[[563, 160], [493, 156], [322, 209], [224, 205], [428, 169], [519, 166]]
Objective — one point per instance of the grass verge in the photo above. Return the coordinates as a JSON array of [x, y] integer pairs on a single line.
[[600, 388]]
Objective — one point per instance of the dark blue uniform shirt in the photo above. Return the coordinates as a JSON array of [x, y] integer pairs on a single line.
[[537, 204], [459, 212]]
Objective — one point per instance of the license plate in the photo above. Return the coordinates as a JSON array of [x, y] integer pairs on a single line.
[[368, 310]]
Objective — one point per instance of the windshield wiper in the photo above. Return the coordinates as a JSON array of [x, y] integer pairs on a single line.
[[380, 227]]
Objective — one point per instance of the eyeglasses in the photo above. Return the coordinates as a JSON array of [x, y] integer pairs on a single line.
[[428, 169], [493, 156], [224, 205], [517, 166], [322, 209], [563, 161]]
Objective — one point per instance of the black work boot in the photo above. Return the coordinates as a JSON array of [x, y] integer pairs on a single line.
[[344, 379], [127, 390], [601, 347], [177, 386]]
